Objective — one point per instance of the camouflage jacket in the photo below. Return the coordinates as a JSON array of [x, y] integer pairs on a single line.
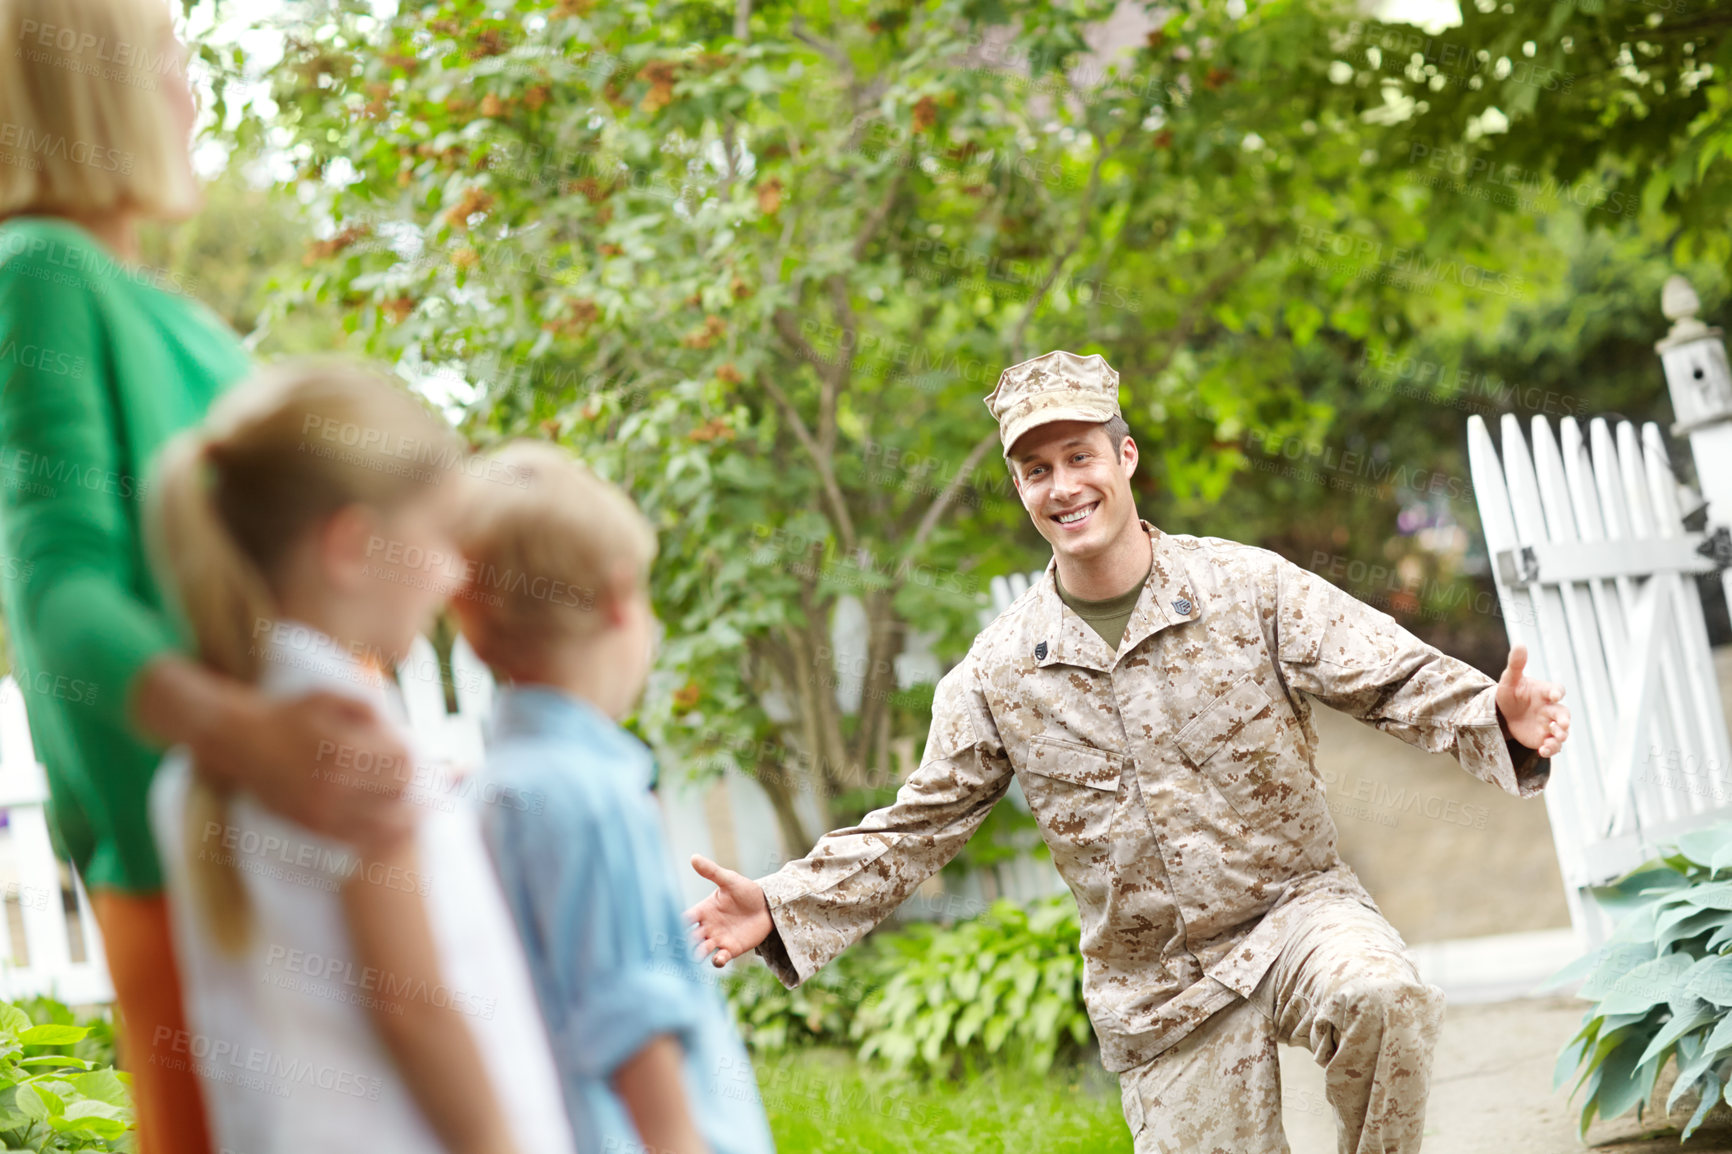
[[1173, 780]]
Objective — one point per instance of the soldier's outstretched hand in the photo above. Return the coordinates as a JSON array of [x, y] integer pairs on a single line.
[[733, 920], [1531, 708]]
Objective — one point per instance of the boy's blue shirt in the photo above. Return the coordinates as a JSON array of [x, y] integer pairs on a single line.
[[573, 830]]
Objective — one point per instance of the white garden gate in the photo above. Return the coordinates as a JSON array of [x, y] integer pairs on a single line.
[[49, 943], [1594, 567]]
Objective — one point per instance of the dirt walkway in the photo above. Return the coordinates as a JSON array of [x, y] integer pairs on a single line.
[[1445, 854], [1440, 870], [1491, 1091]]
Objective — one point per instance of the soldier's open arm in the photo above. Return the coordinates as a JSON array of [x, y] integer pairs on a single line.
[[855, 878], [1359, 660]]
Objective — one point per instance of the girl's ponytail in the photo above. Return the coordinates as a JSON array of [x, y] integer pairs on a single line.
[[221, 593], [225, 602]]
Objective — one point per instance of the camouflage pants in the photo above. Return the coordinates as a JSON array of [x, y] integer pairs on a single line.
[[1344, 989]]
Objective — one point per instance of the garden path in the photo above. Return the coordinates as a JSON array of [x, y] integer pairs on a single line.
[[1491, 1091]]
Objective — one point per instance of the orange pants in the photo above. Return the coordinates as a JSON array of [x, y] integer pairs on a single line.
[[151, 1022]]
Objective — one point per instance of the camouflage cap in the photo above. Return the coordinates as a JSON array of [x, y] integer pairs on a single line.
[[1056, 386]]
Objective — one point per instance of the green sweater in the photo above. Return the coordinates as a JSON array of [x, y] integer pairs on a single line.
[[98, 367]]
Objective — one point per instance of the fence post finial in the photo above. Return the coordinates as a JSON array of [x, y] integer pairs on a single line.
[[1695, 361], [1680, 304]]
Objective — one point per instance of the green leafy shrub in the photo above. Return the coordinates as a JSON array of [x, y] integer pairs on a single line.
[[58, 1088], [1005, 987], [773, 1019], [96, 1047], [1661, 984]]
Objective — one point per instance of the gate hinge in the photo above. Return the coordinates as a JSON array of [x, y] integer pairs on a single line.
[[1717, 546], [1522, 565]]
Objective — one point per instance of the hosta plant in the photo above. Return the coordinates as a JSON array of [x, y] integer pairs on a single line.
[[1006, 986], [818, 1012], [1661, 985]]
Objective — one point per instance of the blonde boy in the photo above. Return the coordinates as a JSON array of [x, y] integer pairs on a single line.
[[557, 605]]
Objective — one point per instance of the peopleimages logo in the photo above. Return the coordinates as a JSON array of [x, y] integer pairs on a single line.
[[74, 264], [329, 970], [1454, 58], [37, 146], [1331, 460], [1536, 186], [42, 359], [1018, 279], [1408, 263], [118, 53], [223, 1060], [1387, 803], [1464, 388], [969, 162]]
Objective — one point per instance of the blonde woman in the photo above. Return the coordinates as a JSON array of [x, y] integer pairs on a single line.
[[306, 528], [100, 362]]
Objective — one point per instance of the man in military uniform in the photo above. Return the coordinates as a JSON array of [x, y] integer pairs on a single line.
[[1152, 693]]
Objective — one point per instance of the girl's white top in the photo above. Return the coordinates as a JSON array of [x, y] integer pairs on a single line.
[[281, 1037]]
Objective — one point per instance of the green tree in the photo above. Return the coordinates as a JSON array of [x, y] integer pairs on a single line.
[[234, 256], [762, 264], [1617, 106], [1576, 147]]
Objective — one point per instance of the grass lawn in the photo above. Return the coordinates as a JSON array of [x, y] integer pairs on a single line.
[[824, 1102]]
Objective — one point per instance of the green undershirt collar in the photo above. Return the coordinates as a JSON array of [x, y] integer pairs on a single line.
[[1108, 617]]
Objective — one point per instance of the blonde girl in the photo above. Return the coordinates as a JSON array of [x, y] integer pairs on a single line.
[[304, 530], [102, 360]]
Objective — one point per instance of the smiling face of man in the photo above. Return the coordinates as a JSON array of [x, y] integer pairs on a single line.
[[1075, 487]]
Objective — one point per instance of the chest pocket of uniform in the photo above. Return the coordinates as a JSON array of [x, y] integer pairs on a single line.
[[1073, 789], [1233, 741]]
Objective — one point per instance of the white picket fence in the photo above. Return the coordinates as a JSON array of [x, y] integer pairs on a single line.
[[49, 942], [1592, 562]]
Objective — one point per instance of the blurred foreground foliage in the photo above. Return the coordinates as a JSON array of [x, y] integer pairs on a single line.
[[59, 1089]]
